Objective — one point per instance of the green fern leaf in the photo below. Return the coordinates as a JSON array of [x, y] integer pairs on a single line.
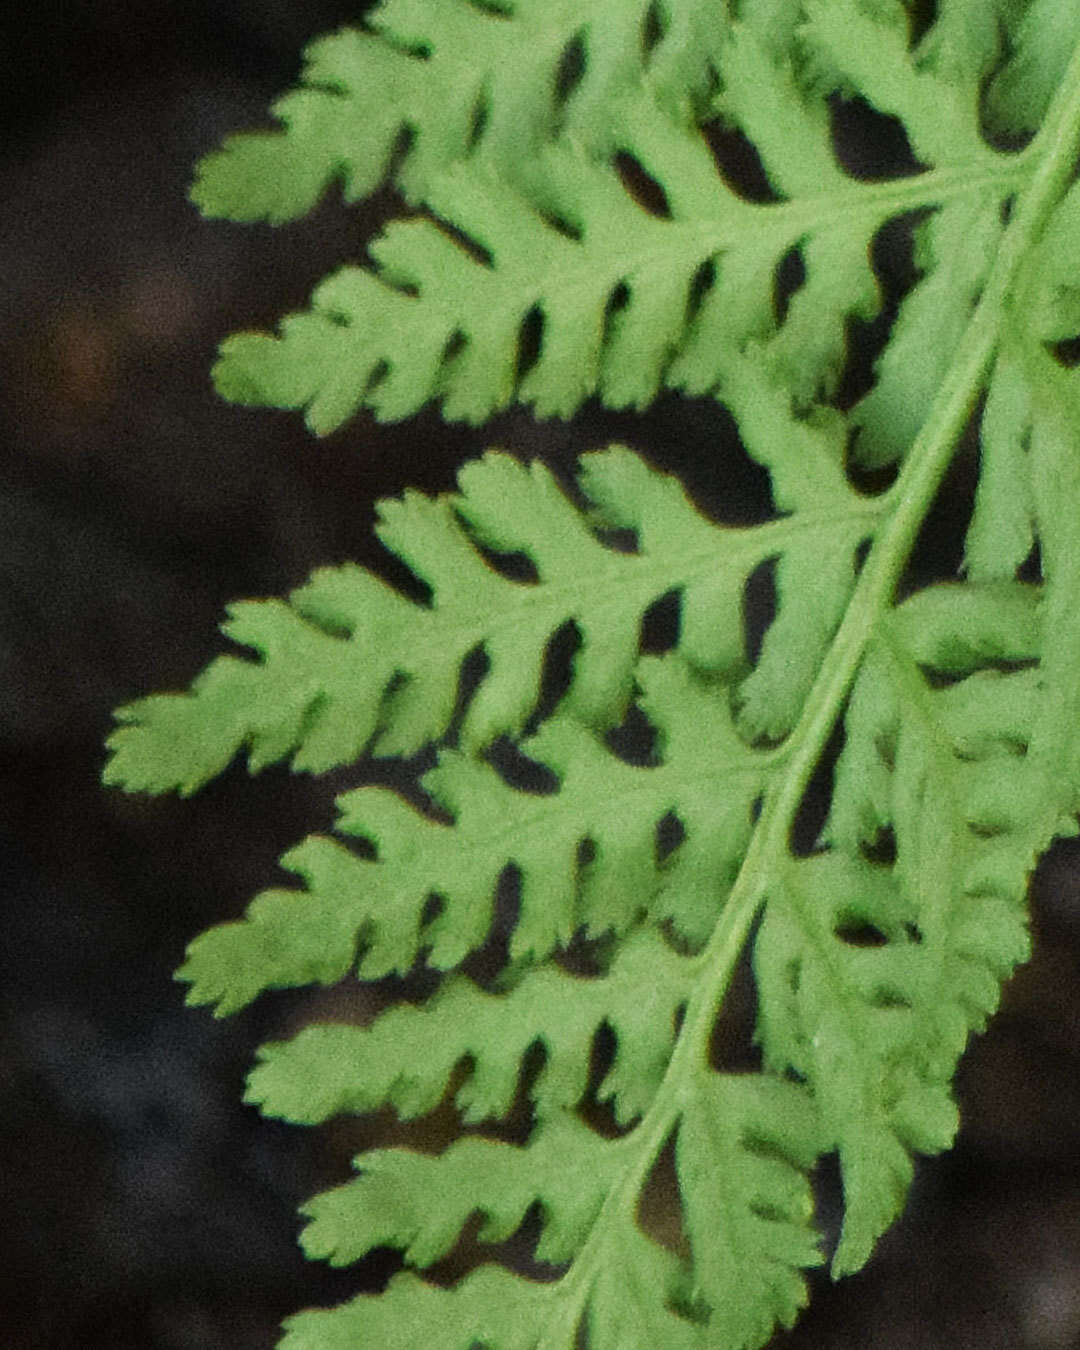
[[567, 1168], [330, 1070], [292, 938], [455, 79], [350, 665], [1041, 36], [743, 1147], [387, 338], [925, 765], [876, 949], [490, 1305]]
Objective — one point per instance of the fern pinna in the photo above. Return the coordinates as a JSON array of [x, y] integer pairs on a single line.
[[528, 270]]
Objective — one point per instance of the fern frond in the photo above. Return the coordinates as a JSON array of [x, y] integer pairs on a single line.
[[489, 1305], [743, 1148], [328, 1070], [631, 301], [424, 86], [567, 1168], [877, 949], [616, 808], [944, 772], [350, 665]]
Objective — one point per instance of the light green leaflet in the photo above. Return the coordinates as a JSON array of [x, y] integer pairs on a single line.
[[529, 271]]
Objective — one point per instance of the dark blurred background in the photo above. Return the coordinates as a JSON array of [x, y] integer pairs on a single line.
[[143, 1207]]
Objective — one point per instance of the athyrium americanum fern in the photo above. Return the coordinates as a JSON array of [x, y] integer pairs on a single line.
[[529, 271]]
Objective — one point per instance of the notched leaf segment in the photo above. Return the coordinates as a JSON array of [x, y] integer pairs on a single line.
[[349, 665], [563, 239], [432, 84]]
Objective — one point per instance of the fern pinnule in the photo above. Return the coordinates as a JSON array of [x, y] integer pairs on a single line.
[[434, 320], [487, 1304], [422, 87], [350, 665], [1039, 39], [379, 903], [745, 1145], [936, 770], [399, 1060]]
